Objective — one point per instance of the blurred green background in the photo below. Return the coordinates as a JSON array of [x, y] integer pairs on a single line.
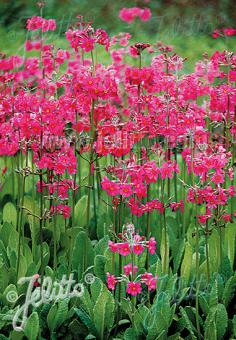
[[187, 25]]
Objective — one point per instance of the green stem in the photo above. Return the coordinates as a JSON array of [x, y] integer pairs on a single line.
[[41, 222], [165, 265], [207, 252], [20, 239], [13, 176], [34, 209], [119, 293], [132, 298], [197, 276], [221, 236]]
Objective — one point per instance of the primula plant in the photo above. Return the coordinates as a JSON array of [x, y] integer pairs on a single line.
[[121, 177]]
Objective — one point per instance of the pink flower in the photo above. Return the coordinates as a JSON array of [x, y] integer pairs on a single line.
[[128, 269], [227, 217], [152, 245], [152, 283], [111, 188], [203, 218], [37, 22], [175, 206], [124, 41], [129, 14], [61, 56], [48, 25], [218, 177], [168, 169], [231, 191], [33, 45], [111, 281], [126, 189], [216, 34], [124, 249], [113, 246], [145, 14], [134, 288], [87, 43], [138, 248], [149, 280], [232, 75], [145, 277], [229, 31], [65, 210]]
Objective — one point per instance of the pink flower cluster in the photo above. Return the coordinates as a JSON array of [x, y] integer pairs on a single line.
[[137, 247], [134, 287], [86, 38], [37, 22], [132, 242], [129, 14], [229, 32], [145, 120], [212, 197], [140, 176]]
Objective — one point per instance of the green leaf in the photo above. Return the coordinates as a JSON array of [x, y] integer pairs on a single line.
[[4, 277], [234, 325], [216, 322], [104, 312], [171, 285], [139, 316], [16, 335], [188, 323], [175, 336], [213, 298], [3, 254], [209, 327], [9, 213], [130, 334], [102, 246], [85, 318], [229, 290], [226, 269], [81, 212], [104, 223], [87, 303], [5, 233], [158, 269], [126, 306], [221, 320], [7, 186], [165, 249], [99, 267], [203, 303], [10, 295], [96, 289], [187, 262], [31, 329], [229, 241], [214, 251], [90, 336], [82, 247], [177, 253], [160, 317], [57, 314], [100, 315], [76, 328], [23, 266]]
